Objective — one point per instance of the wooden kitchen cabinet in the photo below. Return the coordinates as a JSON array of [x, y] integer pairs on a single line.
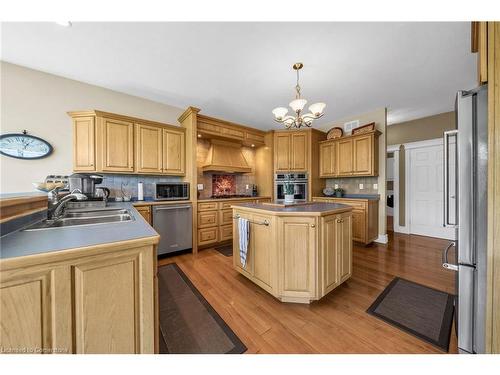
[[343, 232], [149, 149], [344, 157], [328, 165], [96, 300], [116, 140], [291, 151], [355, 155], [296, 258], [174, 152], [282, 152], [108, 142], [364, 220], [145, 212], [84, 143]]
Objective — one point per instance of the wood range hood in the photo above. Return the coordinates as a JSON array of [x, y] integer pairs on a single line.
[[224, 156]]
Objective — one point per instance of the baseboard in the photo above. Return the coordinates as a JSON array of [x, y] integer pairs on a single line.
[[382, 238]]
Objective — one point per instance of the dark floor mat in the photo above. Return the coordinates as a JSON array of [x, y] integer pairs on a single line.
[[226, 250], [422, 311], [188, 324]]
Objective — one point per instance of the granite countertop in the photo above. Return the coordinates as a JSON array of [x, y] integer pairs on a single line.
[[312, 208], [230, 199], [355, 196], [23, 243]]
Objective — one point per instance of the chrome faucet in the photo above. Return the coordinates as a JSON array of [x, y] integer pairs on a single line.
[[56, 205]]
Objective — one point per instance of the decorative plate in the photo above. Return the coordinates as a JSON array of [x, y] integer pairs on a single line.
[[335, 133], [24, 146], [364, 129]]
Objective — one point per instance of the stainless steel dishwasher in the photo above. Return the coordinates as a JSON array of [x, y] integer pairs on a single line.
[[173, 222]]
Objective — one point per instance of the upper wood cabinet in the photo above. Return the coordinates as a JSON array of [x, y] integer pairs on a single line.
[[117, 145], [107, 142], [84, 143], [174, 152], [291, 151], [215, 128], [328, 167], [355, 155], [149, 150]]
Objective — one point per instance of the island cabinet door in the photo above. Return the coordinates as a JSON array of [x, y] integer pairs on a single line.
[[329, 253], [344, 245], [297, 258], [246, 269], [264, 252], [113, 301]]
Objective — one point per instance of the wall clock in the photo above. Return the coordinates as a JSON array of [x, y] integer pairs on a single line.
[[24, 146]]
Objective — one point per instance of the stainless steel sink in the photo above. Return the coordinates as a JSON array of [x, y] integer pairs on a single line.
[[92, 217], [96, 213]]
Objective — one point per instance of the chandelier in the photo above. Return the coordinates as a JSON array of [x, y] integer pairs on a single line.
[[298, 120]]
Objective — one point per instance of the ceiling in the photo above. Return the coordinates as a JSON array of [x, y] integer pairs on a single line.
[[241, 71]]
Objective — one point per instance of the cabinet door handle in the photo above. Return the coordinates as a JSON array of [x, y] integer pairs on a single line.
[[313, 225], [339, 221]]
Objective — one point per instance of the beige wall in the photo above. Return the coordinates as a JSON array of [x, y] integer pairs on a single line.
[[421, 129], [38, 102], [379, 117]]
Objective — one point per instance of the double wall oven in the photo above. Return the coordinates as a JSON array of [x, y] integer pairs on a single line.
[[299, 182]]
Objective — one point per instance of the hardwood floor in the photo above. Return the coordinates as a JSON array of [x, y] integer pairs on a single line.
[[337, 323]]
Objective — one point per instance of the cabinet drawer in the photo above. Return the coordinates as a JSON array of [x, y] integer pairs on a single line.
[[225, 232], [207, 219], [207, 236], [356, 204], [205, 206], [230, 203], [226, 216]]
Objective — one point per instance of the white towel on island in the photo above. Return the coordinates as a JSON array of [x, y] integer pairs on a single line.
[[244, 236]]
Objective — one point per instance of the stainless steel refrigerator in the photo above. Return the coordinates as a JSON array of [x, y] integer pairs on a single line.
[[465, 208]]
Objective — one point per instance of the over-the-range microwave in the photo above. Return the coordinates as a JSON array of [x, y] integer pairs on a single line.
[[171, 191]]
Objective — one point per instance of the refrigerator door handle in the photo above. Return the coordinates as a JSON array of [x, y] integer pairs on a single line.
[[448, 266], [446, 179]]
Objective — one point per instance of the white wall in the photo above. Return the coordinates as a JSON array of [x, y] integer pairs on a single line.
[[38, 102], [379, 117]]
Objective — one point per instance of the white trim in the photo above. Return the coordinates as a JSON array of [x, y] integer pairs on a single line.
[[426, 143], [382, 238], [393, 148]]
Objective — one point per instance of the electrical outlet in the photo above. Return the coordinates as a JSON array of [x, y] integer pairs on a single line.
[[375, 186], [336, 186], [246, 187], [361, 186], [200, 187]]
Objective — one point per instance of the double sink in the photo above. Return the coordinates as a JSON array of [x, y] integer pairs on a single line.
[[84, 217]]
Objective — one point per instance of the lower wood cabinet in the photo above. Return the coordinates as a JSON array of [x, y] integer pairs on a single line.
[[207, 236], [364, 217], [98, 300], [215, 220], [145, 212], [296, 258]]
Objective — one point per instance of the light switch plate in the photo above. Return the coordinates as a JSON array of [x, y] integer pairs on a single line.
[[375, 186], [200, 187], [336, 186], [361, 186], [246, 187]]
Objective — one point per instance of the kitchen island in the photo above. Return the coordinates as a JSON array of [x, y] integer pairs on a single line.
[[297, 253]]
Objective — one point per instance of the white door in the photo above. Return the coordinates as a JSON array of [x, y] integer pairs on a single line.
[[425, 191]]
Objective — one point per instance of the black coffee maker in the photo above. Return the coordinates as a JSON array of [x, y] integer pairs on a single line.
[[85, 183]]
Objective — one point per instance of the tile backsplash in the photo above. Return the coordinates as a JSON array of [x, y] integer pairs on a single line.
[[114, 183], [240, 183], [351, 184]]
